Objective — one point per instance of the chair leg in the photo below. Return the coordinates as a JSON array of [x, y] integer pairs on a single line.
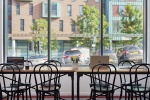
[[43, 94], [22, 95], [91, 95], [94, 95], [30, 94], [121, 91]]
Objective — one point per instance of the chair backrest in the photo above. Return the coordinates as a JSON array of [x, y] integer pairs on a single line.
[[12, 78], [125, 64], [55, 62], [138, 78], [50, 79], [106, 78]]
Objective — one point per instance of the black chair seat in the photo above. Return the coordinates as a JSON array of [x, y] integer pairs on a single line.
[[12, 89], [128, 84], [102, 89], [138, 89], [103, 85], [46, 84]]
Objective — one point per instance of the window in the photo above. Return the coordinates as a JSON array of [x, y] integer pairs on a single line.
[[96, 0], [54, 10], [121, 9], [30, 9], [73, 28], [61, 25], [85, 0], [17, 8], [69, 10], [116, 26], [80, 9], [63, 29], [21, 24]]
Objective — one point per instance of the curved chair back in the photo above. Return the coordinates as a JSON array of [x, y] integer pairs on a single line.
[[10, 79], [125, 64], [104, 81], [55, 62], [138, 78], [49, 80]]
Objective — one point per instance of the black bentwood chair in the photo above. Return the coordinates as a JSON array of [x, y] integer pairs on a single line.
[[9, 81], [103, 81], [50, 78], [143, 91], [26, 80], [123, 77], [58, 64]]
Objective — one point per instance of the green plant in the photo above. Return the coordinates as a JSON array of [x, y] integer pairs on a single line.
[[75, 59]]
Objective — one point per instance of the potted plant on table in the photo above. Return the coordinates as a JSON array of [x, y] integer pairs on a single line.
[[75, 60]]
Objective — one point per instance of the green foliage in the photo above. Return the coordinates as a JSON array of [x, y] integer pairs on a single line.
[[40, 27], [132, 23], [89, 23]]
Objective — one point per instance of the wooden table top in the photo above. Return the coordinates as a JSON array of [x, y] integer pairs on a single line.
[[79, 70], [88, 69]]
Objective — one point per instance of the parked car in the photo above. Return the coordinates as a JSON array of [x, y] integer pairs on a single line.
[[112, 55], [133, 53], [37, 59], [66, 56]]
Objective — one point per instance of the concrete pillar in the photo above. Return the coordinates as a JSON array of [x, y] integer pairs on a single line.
[[13, 48]]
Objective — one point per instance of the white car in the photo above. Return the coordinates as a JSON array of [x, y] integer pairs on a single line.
[[37, 59], [66, 56]]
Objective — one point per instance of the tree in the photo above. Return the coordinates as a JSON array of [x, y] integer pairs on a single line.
[[40, 27], [89, 23], [132, 23]]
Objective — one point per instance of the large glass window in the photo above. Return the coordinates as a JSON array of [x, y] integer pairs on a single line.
[[76, 27]]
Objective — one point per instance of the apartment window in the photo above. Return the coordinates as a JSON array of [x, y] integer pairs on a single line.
[[96, 0], [81, 10], [85, 0], [17, 8], [69, 10], [21, 24], [30, 9], [116, 26], [9, 26], [61, 25], [54, 10], [73, 0], [121, 9], [73, 28]]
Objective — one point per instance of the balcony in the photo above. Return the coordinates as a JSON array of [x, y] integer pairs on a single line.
[[24, 0]]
